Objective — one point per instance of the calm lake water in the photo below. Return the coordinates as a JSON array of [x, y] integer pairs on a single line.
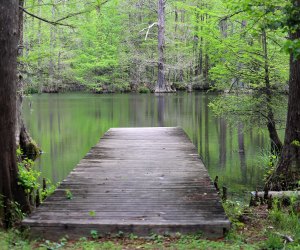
[[66, 126]]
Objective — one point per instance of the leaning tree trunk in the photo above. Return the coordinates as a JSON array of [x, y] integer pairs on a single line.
[[10, 191], [23, 138], [161, 86], [288, 168]]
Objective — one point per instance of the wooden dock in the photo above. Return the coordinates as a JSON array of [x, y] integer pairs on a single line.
[[135, 180]]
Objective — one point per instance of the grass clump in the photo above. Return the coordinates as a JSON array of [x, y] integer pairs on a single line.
[[286, 223], [14, 239]]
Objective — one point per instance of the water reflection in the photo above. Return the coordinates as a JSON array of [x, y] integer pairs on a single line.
[[161, 110], [242, 154], [67, 125], [222, 142]]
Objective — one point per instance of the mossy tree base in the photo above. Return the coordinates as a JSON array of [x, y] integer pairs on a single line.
[[28, 146], [284, 180]]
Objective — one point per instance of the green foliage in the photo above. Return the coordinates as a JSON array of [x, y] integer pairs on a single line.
[[50, 189], [31, 90], [206, 44], [88, 245], [296, 143], [248, 109], [290, 18], [143, 90], [92, 213], [293, 47], [234, 210], [120, 234], [156, 238], [252, 70], [69, 194], [17, 240], [286, 220], [268, 161], [59, 58], [273, 241], [94, 234], [96, 59], [49, 245], [28, 176], [14, 239], [132, 236], [16, 214]]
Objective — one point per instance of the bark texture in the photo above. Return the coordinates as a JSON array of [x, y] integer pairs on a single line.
[[161, 81], [287, 172], [23, 138], [9, 189]]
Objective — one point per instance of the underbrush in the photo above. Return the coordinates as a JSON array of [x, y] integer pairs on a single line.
[[263, 228]]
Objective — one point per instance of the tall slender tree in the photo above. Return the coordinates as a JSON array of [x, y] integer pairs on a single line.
[[161, 81], [10, 191], [276, 144]]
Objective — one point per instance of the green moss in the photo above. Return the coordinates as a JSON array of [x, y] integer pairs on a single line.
[[32, 150]]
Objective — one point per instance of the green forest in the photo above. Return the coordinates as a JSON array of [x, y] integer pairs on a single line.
[[226, 72], [112, 46]]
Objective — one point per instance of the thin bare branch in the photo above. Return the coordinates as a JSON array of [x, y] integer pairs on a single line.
[[148, 29], [45, 20], [79, 13]]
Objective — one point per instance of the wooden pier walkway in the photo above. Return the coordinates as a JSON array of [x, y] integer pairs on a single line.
[[135, 180]]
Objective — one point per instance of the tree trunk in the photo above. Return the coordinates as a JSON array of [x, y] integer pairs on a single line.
[[23, 138], [224, 27], [161, 86], [276, 144], [39, 38], [20, 80], [176, 20], [206, 57], [9, 188], [52, 86], [200, 55], [287, 171], [205, 72]]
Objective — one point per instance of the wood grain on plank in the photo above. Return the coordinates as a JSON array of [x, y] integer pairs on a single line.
[[135, 180]]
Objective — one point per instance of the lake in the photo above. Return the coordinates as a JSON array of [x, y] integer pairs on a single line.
[[66, 126]]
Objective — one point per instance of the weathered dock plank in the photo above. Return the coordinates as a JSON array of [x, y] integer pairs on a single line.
[[135, 180]]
